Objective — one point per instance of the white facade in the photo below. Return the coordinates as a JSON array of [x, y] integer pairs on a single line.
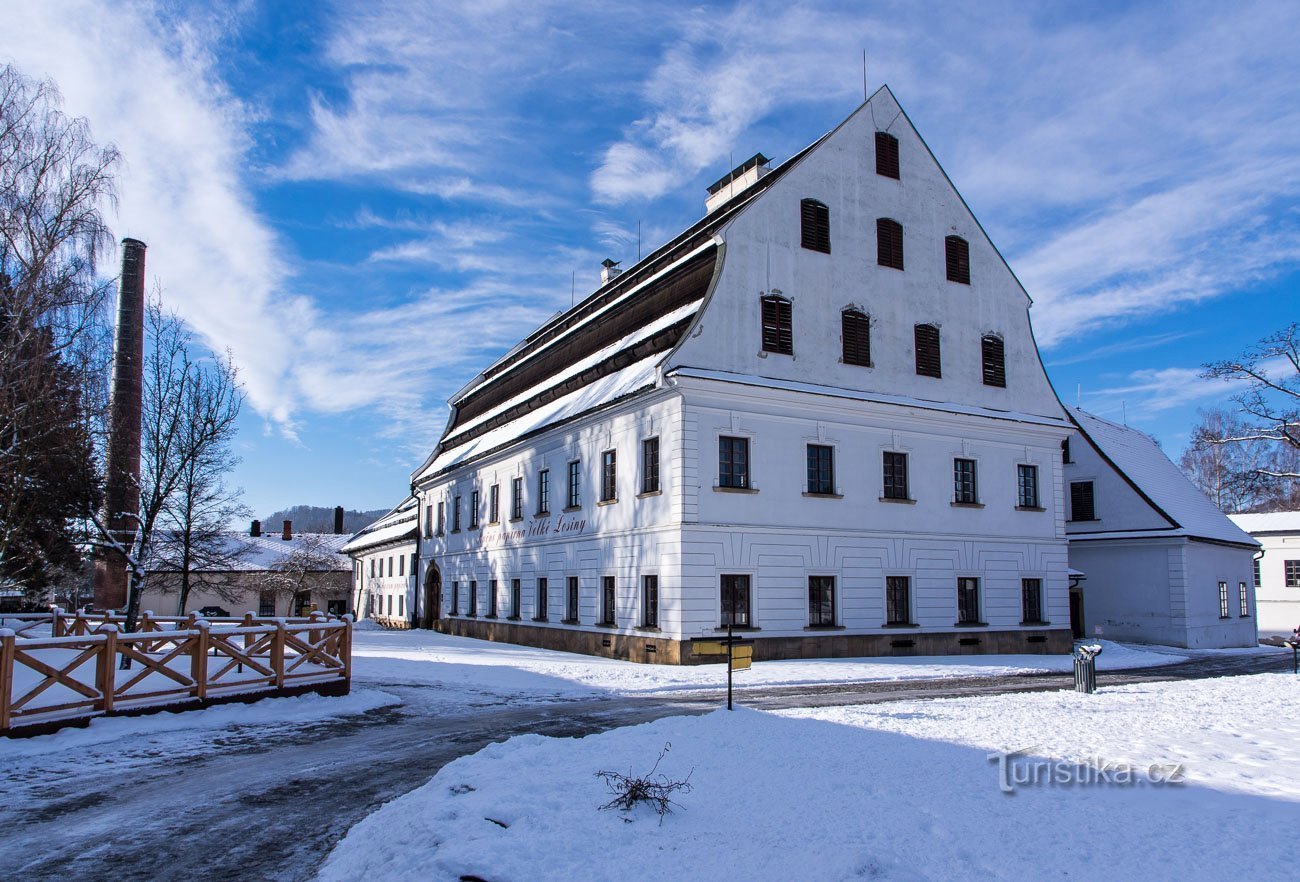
[[384, 567], [1161, 563], [675, 350], [1277, 569]]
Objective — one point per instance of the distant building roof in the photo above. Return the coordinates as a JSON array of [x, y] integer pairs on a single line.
[[400, 524], [257, 554], [1141, 460], [1256, 523]]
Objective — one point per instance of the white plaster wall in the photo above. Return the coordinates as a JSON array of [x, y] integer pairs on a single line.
[[402, 583], [1205, 566], [1279, 606], [763, 254], [1118, 507]]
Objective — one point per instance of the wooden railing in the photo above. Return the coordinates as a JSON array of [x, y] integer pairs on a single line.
[[174, 663]]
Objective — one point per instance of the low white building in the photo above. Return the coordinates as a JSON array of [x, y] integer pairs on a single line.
[[1277, 569], [1161, 563], [384, 565]]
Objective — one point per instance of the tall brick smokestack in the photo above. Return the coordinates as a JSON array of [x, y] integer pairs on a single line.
[[122, 470]]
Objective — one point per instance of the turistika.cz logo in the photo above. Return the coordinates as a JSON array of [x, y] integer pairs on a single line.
[[1018, 768]]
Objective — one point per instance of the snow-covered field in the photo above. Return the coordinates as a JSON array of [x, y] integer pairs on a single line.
[[897, 791], [426, 657]]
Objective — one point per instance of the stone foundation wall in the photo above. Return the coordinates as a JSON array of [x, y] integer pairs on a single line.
[[649, 648]]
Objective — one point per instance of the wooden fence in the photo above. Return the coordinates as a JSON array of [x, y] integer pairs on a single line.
[[176, 663]]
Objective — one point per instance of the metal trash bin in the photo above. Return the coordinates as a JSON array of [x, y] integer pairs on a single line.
[[1085, 668]]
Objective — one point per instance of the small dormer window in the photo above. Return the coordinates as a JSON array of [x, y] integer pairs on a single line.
[[995, 362], [889, 243], [815, 226], [778, 325], [886, 155], [957, 252]]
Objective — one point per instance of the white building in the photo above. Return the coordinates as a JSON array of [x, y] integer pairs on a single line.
[[1277, 569], [384, 565], [1161, 563], [823, 400]]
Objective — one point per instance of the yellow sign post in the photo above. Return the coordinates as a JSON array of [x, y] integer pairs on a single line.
[[739, 657]]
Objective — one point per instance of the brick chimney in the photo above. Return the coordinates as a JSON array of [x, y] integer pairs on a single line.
[[288, 531], [122, 466], [256, 529], [338, 520]]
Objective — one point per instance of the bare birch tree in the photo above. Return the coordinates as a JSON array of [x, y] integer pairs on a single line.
[[1270, 371], [312, 564]]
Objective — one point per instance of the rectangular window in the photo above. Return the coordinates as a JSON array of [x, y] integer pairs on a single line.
[[473, 598], [821, 469], [516, 498], [455, 599], [1224, 611], [544, 492], [821, 600], [455, 514], [886, 155], [957, 256], [516, 598], [733, 462], [968, 601], [442, 518], [855, 338], [1243, 600], [1031, 601], [778, 325], [1065, 452], [1081, 507], [401, 605], [266, 604], [889, 243], [473, 510], [575, 483], [494, 504], [735, 600], [609, 476], [1291, 573], [895, 475], [1027, 486], [929, 362], [571, 600], [401, 565], [994, 361], [607, 600], [963, 482], [650, 465], [428, 522], [1255, 567], [650, 601], [898, 600], [390, 604], [815, 226], [390, 566], [492, 598], [543, 602], [372, 567]]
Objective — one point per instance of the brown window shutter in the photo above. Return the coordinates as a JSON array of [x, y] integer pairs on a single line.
[[995, 363], [889, 243], [815, 226], [778, 326], [855, 332], [927, 351], [957, 250], [886, 155]]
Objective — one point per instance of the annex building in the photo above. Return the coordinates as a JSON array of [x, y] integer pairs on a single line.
[[818, 413]]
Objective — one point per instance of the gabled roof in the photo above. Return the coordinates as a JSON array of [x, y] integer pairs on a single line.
[[243, 553], [1259, 523], [1157, 480], [399, 525]]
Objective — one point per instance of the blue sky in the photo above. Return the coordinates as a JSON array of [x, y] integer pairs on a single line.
[[366, 202]]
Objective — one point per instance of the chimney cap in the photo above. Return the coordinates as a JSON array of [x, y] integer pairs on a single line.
[[758, 160], [127, 241], [255, 529], [610, 264]]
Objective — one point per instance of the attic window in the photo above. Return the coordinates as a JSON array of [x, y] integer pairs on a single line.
[[886, 155], [995, 364], [778, 325], [889, 243], [927, 351], [957, 251], [855, 333], [815, 223]]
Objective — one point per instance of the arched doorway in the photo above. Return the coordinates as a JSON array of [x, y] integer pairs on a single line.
[[432, 596]]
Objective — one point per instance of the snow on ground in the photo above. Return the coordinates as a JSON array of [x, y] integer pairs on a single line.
[[427, 657], [899, 791], [169, 728]]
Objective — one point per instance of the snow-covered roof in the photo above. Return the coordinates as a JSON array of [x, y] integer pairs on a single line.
[[1256, 523], [398, 525], [1140, 459], [251, 554]]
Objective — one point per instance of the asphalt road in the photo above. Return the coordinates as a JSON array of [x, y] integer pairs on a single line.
[[247, 805]]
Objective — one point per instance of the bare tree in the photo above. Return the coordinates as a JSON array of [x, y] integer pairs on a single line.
[[1270, 371], [312, 564], [189, 409], [1229, 473]]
